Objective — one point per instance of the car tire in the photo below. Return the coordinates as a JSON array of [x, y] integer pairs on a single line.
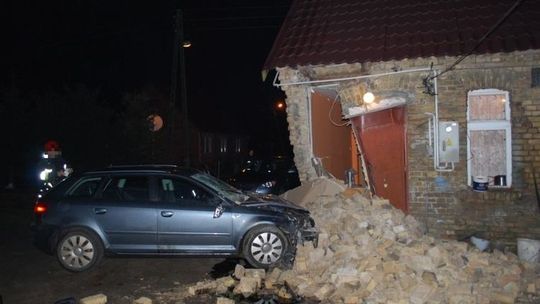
[[79, 250], [265, 247]]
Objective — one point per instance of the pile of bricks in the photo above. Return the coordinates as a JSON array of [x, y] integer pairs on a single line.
[[370, 252]]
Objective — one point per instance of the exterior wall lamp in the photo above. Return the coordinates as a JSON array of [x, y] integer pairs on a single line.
[[368, 97]]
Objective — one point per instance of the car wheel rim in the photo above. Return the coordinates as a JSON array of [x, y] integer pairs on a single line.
[[77, 252], [266, 248]]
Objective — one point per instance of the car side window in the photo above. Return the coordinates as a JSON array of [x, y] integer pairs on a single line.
[[86, 187], [127, 188], [179, 190]]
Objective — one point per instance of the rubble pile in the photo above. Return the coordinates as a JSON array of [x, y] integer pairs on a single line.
[[370, 252]]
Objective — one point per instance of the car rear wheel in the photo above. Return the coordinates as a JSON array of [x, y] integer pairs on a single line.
[[265, 247], [79, 250]]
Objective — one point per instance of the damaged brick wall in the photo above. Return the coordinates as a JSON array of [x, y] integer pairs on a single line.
[[442, 200]]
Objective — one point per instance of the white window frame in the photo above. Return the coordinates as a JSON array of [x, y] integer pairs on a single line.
[[491, 125]]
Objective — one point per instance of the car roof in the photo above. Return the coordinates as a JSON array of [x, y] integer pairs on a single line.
[[147, 168]]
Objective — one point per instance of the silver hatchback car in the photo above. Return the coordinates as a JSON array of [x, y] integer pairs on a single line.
[[165, 210]]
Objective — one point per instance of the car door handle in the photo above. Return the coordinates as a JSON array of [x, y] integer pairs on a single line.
[[100, 210], [167, 213]]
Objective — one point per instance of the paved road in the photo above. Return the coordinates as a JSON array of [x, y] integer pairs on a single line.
[[27, 275]]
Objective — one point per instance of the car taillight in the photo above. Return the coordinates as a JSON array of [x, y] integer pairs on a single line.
[[40, 208]]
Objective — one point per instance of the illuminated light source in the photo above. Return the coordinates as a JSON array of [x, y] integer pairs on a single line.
[[44, 174], [503, 99], [155, 122], [368, 97], [449, 129], [186, 44], [40, 208], [280, 105]]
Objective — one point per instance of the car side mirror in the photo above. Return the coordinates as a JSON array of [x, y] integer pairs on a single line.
[[218, 211]]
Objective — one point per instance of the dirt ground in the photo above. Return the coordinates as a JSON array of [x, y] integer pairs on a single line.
[[28, 275]]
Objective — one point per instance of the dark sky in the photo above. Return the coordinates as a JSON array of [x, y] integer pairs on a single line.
[[122, 45]]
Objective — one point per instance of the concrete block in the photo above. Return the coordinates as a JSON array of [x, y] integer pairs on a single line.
[[430, 278], [284, 294], [393, 267], [239, 271], [421, 294], [201, 287], [143, 300], [247, 286], [224, 284], [346, 275], [503, 298], [531, 288], [223, 300], [324, 292], [419, 263], [255, 273], [371, 285], [365, 278], [95, 299], [399, 229], [316, 255], [300, 265]]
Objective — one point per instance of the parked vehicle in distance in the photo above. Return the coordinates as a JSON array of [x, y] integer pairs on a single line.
[[165, 210], [266, 176]]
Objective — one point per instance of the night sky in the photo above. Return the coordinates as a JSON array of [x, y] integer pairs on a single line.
[[119, 46]]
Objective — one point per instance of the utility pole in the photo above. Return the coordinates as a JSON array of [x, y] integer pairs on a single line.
[[183, 94], [178, 61], [174, 83]]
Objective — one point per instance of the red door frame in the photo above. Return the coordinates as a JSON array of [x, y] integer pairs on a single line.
[[383, 140]]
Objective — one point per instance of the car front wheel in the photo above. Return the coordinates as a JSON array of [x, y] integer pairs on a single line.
[[265, 247], [79, 250]]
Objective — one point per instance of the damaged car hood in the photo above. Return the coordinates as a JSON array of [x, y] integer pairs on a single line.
[[257, 200]]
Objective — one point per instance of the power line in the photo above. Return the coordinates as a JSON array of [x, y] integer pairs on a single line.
[[234, 28], [236, 8], [235, 18], [479, 42]]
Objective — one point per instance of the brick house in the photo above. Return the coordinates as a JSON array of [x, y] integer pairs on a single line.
[[455, 105]]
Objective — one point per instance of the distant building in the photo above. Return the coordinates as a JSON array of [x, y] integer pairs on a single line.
[[221, 153]]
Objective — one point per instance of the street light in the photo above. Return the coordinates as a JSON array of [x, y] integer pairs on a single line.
[[179, 68]]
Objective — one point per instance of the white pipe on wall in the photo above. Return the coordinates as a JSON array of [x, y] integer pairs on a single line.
[[436, 163], [346, 78]]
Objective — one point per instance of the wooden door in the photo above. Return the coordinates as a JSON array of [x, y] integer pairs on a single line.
[[331, 136], [382, 139]]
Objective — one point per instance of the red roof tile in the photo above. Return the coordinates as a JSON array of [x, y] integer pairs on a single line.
[[351, 31]]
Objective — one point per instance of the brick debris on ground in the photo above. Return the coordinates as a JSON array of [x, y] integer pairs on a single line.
[[370, 252]]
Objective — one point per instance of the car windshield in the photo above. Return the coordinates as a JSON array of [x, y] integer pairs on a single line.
[[221, 187]]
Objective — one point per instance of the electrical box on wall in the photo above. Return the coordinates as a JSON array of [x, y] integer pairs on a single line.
[[448, 142]]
